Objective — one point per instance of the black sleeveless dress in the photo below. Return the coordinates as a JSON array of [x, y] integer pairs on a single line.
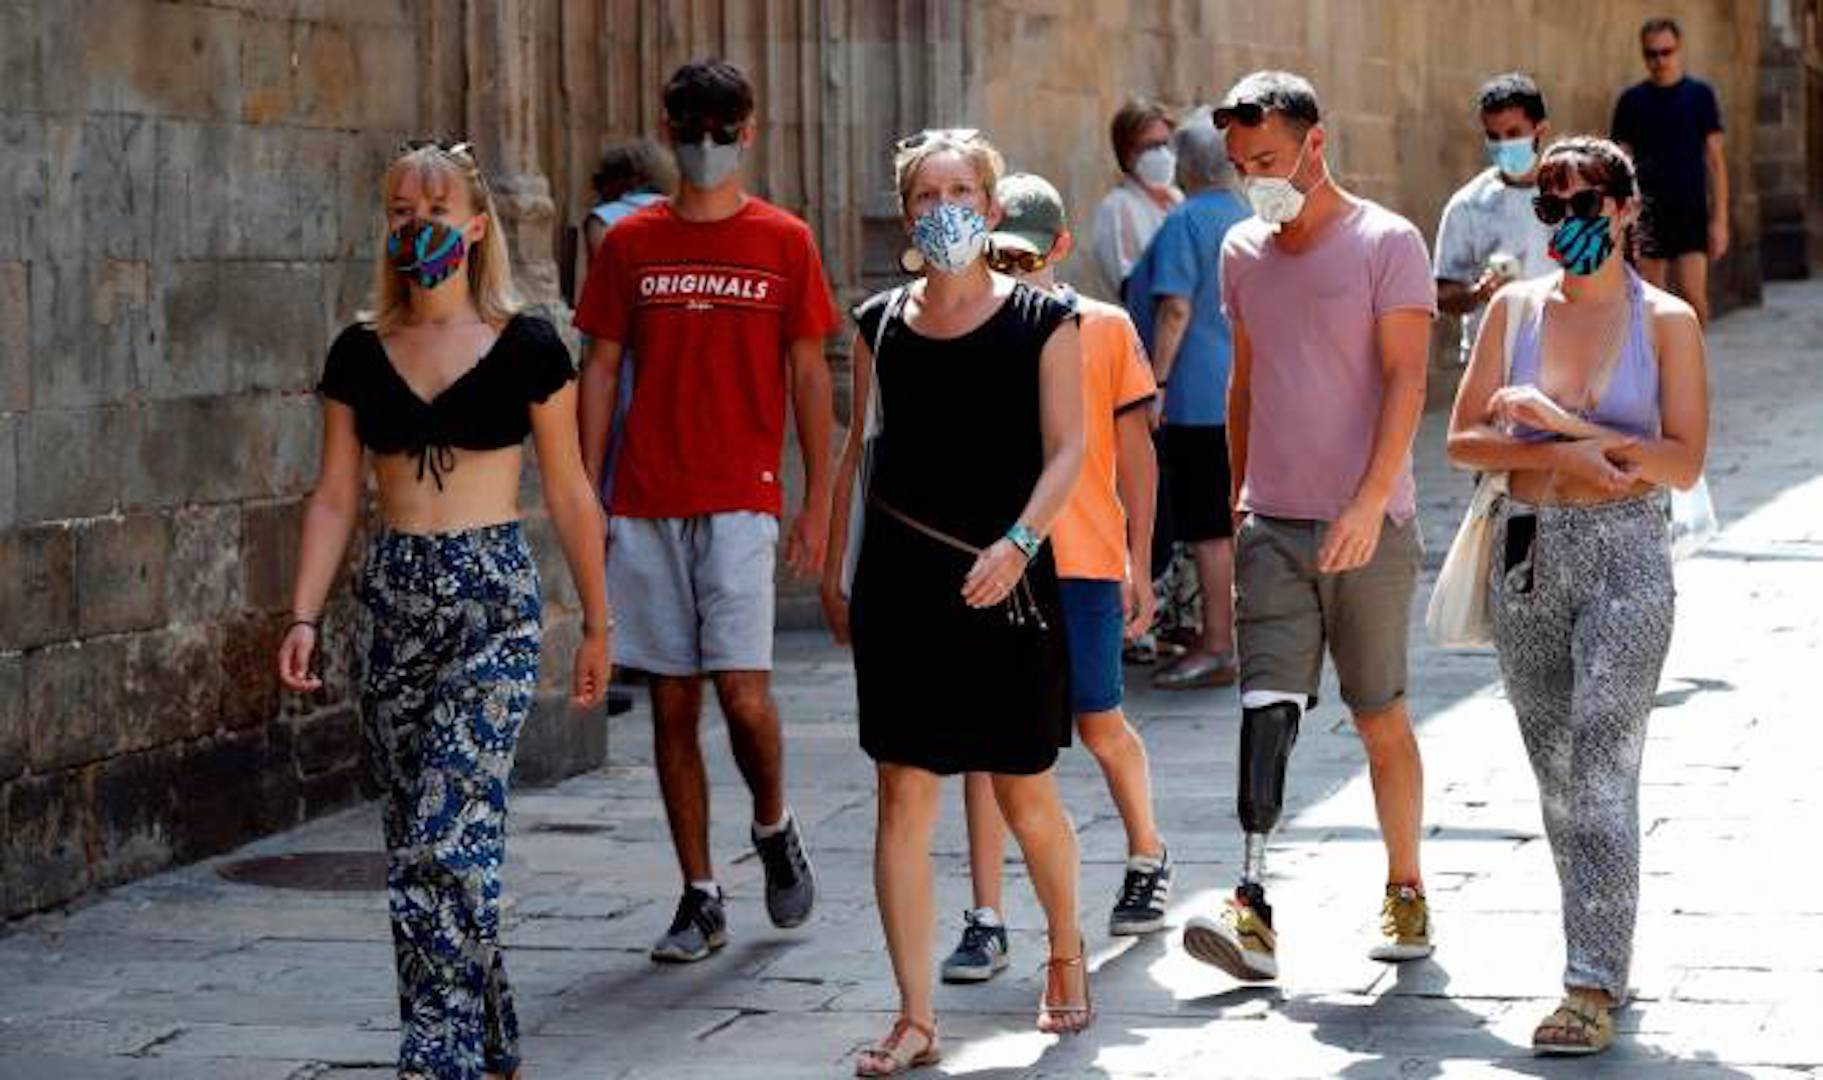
[[943, 686]]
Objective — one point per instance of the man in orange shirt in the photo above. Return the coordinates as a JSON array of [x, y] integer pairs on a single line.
[[1102, 541]]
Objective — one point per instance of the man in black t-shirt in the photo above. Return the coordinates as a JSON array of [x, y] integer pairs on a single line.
[[1672, 125]]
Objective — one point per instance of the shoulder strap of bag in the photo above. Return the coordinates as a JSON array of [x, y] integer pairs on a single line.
[[875, 413], [1518, 309]]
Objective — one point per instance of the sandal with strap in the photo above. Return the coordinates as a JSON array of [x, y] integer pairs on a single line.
[[1065, 1019], [1581, 1024], [889, 1056]]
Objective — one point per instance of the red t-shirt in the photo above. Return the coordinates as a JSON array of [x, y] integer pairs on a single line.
[[707, 310]]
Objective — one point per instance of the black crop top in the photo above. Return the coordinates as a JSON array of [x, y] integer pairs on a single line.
[[486, 408]]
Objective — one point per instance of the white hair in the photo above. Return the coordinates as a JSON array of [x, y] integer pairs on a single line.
[[1202, 152]]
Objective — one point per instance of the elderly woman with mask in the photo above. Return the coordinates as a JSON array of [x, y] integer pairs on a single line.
[[1131, 213]]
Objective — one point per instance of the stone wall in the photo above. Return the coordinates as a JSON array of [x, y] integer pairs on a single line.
[[1789, 167], [188, 209]]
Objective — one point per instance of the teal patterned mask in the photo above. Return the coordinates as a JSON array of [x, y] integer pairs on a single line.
[[1582, 245]]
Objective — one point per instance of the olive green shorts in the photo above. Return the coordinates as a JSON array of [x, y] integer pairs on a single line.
[[1286, 612]]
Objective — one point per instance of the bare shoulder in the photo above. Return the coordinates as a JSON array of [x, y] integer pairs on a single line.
[[1669, 312]]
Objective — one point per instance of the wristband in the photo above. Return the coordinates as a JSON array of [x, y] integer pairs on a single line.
[[295, 623], [1025, 539]]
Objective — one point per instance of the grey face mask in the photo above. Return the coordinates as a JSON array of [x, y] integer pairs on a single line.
[[706, 164]]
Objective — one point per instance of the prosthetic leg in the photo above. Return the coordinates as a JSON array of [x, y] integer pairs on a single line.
[[1269, 729]]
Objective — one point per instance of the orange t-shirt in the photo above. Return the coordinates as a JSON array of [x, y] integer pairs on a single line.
[[1089, 537]]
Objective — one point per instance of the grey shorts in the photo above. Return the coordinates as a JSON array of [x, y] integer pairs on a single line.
[[1286, 612], [693, 595]]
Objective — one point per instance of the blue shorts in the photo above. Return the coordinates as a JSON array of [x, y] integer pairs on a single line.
[[1093, 617]]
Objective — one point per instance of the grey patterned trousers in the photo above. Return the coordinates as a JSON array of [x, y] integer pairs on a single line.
[[1582, 621]]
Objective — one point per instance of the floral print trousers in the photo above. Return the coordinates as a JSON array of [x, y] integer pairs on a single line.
[[450, 650]]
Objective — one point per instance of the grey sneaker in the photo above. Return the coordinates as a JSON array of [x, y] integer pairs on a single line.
[[1144, 895], [699, 928], [791, 885], [980, 955]]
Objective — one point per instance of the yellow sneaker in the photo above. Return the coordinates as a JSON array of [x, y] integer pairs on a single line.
[[1405, 926], [1240, 941]]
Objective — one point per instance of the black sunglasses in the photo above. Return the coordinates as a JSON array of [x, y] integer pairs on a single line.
[[1585, 204], [1658, 54], [692, 132], [1246, 114]]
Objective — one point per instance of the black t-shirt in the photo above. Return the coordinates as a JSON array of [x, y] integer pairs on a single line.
[[1667, 126], [488, 407]]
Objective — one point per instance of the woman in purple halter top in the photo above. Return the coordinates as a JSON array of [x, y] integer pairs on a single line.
[[1603, 407]]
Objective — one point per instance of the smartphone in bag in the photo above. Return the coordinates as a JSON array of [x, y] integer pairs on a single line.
[[1521, 535]]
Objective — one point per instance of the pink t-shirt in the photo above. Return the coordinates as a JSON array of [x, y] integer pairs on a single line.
[[1316, 384]]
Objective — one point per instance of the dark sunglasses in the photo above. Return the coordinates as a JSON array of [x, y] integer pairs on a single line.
[[1246, 114], [1658, 54], [456, 148], [1015, 260], [1585, 204], [917, 139], [692, 132]]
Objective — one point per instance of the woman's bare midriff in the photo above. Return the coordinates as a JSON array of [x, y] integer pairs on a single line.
[[1553, 489], [482, 489]]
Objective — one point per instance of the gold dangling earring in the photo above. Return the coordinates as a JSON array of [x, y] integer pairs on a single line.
[[911, 260]]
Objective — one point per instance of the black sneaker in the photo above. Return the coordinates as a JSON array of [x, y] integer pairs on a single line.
[[791, 885], [981, 954], [1144, 896], [699, 928]]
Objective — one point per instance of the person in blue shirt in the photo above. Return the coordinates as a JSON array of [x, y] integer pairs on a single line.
[[1176, 302]]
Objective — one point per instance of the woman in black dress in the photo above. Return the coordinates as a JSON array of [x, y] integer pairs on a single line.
[[960, 660]]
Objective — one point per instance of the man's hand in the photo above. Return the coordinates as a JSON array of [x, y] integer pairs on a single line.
[[1353, 537], [1141, 605], [1486, 286], [1718, 238], [809, 540]]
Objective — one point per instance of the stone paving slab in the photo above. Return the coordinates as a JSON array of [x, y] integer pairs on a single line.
[[190, 975]]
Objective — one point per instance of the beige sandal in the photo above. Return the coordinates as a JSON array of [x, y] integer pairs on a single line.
[[1581, 1024], [1065, 1019], [888, 1057]]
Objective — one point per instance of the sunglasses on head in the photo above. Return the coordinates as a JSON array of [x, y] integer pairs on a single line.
[[692, 132], [1585, 204], [917, 139], [456, 148], [1015, 260], [1246, 114], [1658, 54]]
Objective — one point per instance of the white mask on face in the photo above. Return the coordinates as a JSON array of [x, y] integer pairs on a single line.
[[1275, 198], [1156, 167]]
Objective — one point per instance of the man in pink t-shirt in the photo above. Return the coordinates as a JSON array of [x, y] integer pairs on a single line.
[[1330, 299]]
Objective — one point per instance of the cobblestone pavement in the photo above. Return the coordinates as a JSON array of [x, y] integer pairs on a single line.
[[190, 975]]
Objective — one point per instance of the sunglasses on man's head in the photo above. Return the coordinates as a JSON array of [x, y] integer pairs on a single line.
[[917, 139], [1246, 114], [1552, 209], [1658, 54], [692, 132], [1015, 260]]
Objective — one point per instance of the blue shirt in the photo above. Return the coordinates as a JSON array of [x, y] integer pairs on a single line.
[[1185, 260]]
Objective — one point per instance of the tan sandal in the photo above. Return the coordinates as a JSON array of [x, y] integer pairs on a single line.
[[1065, 1019], [1581, 1024], [888, 1057]]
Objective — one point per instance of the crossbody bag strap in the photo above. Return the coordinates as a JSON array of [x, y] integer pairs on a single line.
[[876, 414]]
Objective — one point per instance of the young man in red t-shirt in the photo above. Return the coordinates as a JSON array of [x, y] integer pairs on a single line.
[[721, 299]]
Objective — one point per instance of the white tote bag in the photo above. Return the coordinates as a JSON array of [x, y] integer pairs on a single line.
[[1458, 616], [1693, 520], [871, 425]]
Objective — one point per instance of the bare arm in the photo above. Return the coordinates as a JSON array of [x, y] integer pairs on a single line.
[[600, 385], [1715, 162], [1136, 475], [1240, 406], [1060, 413], [835, 605], [813, 406], [329, 519], [1461, 298], [576, 515], [1675, 458], [1173, 323]]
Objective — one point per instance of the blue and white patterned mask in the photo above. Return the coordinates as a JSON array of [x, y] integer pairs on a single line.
[[950, 236]]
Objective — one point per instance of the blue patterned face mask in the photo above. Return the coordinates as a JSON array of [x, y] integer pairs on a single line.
[[1582, 245], [950, 236]]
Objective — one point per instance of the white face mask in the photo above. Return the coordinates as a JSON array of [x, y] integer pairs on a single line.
[[1275, 198], [1156, 167], [708, 163]]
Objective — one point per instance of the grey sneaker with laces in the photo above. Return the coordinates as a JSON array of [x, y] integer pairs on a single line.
[[699, 928], [980, 955], [791, 884]]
